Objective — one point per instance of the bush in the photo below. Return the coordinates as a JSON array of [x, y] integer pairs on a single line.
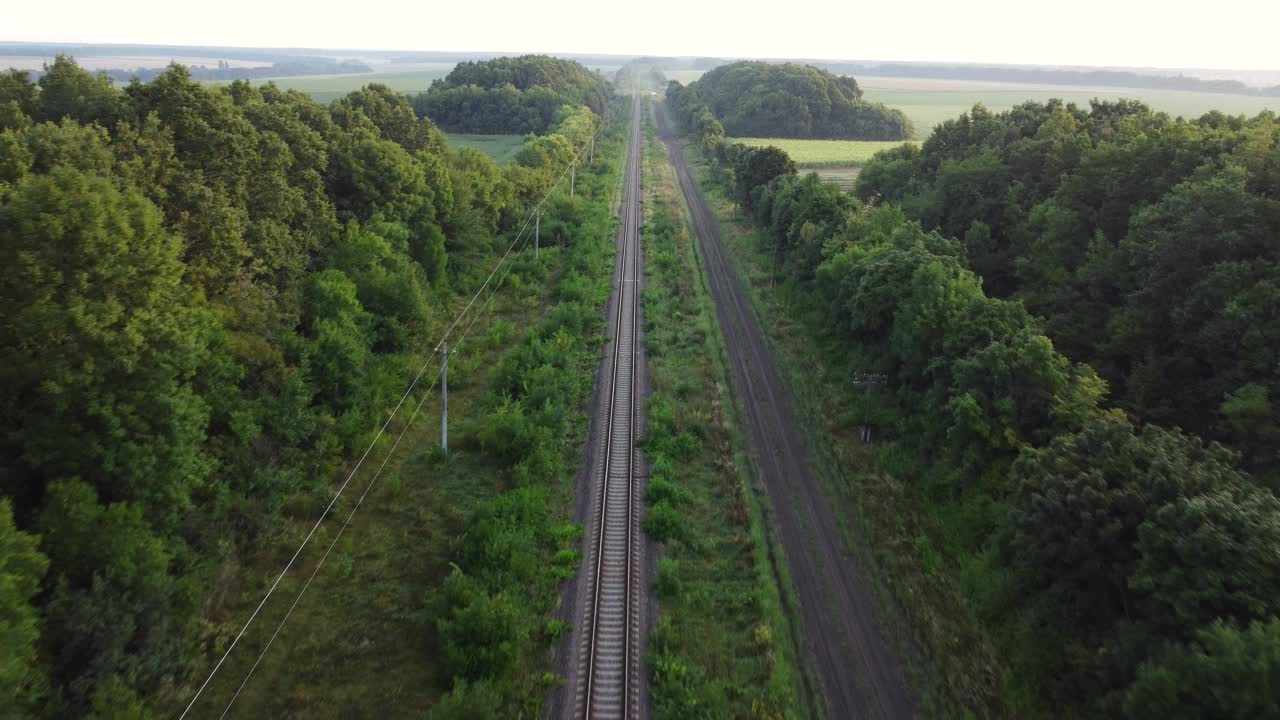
[[480, 633], [661, 489], [663, 522], [668, 583]]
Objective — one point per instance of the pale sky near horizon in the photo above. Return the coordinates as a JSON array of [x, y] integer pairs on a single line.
[[1234, 34]]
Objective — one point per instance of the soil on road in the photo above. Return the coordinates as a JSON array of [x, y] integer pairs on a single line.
[[858, 675]]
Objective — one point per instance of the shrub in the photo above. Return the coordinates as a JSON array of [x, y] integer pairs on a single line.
[[663, 523]]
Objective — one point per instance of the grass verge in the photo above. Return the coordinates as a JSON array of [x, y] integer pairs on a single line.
[[724, 646]]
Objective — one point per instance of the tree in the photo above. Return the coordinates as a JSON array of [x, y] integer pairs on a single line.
[[1226, 673], [22, 567], [890, 174], [17, 99], [67, 91], [114, 700], [392, 114], [577, 124], [551, 153], [758, 99], [390, 286], [1210, 556], [100, 342], [208, 293], [755, 167], [1123, 540], [512, 95], [114, 608], [1081, 502], [339, 349]]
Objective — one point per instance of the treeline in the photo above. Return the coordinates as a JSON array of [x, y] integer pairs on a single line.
[[1061, 76], [1148, 244], [757, 99], [1127, 569], [226, 72], [211, 296], [741, 167], [511, 95]]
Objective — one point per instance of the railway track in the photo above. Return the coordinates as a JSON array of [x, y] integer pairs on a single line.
[[609, 684]]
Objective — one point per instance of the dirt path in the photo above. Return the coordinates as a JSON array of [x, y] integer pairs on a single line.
[[858, 675]]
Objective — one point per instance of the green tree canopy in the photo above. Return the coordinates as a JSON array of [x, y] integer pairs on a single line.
[[22, 567], [758, 99]]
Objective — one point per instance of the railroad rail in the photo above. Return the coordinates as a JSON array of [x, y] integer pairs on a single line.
[[609, 685]]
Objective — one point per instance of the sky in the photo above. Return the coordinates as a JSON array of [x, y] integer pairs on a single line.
[[1235, 34]]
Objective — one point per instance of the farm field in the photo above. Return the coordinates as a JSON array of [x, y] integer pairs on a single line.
[[845, 177], [327, 88], [108, 62], [502, 148], [405, 78], [930, 102], [684, 76], [824, 153]]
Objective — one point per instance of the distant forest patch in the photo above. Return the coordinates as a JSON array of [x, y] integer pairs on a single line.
[[757, 99], [220, 71], [511, 95], [225, 71]]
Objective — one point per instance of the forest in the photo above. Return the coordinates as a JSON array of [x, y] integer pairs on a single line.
[[511, 95], [226, 72], [212, 295], [1118, 553], [757, 99], [1147, 244]]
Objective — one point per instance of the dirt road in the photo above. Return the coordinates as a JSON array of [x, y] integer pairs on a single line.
[[859, 677]]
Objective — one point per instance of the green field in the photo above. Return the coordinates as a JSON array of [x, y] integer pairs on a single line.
[[502, 148], [929, 102], [413, 78], [824, 153], [403, 77], [684, 76]]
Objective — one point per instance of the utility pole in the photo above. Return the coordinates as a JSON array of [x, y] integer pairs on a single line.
[[868, 380], [444, 398], [592, 157], [573, 170], [773, 274], [537, 230]]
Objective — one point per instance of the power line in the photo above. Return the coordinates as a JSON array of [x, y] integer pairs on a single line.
[[376, 475], [342, 488]]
